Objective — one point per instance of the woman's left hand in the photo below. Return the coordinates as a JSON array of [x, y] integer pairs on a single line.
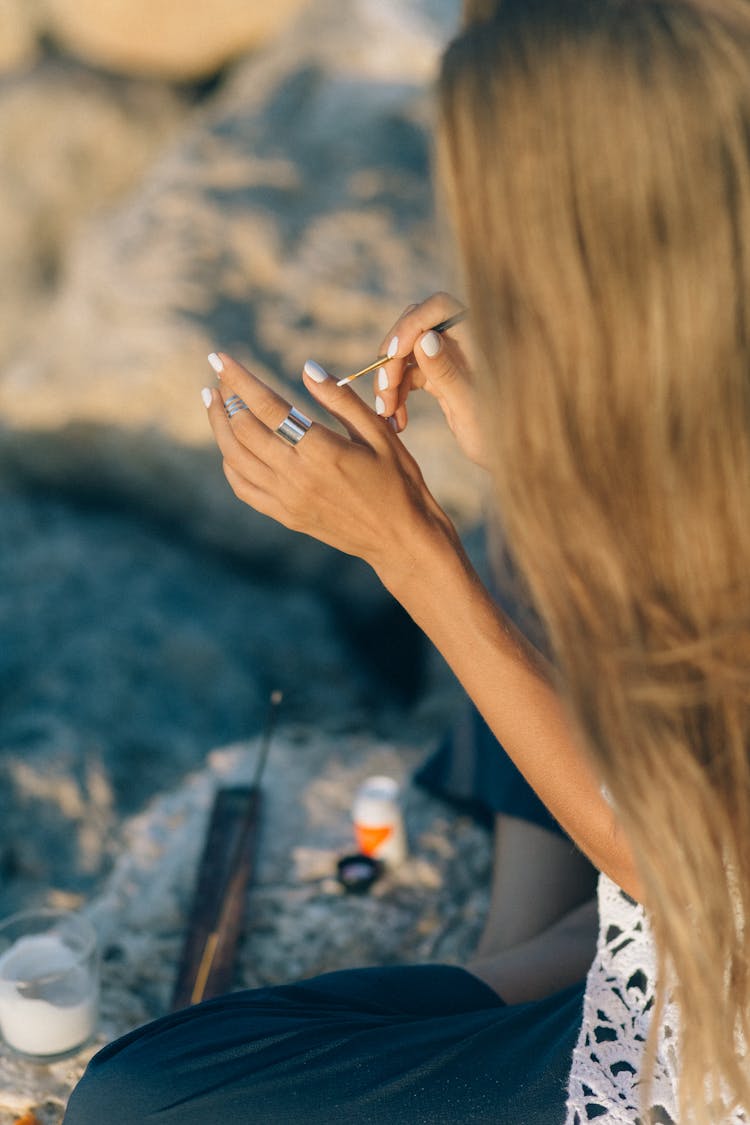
[[363, 494]]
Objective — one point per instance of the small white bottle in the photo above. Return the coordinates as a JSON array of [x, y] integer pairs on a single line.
[[378, 821]]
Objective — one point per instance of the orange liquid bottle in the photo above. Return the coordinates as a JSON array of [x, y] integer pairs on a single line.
[[378, 821]]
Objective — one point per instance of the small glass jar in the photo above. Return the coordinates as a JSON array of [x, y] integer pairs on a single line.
[[49, 982]]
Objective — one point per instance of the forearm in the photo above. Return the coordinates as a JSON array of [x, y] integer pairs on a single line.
[[507, 680]]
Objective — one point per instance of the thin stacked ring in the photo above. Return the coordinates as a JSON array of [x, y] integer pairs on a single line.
[[234, 405]]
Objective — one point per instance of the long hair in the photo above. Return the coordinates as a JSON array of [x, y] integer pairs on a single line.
[[596, 155]]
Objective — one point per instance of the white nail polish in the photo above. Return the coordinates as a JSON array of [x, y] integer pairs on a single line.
[[207, 397], [382, 379], [393, 347], [216, 363], [314, 371], [379, 405], [430, 344]]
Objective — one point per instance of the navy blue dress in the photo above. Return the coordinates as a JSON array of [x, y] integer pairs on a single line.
[[470, 768], [411, 1045]]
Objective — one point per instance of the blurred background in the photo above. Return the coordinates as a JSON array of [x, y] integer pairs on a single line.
[[178, 177]]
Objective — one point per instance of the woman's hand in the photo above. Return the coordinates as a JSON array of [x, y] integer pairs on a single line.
[[439, 363], [363, 494]]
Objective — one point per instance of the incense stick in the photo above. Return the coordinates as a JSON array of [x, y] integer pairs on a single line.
[[273, 708], [443, 326]]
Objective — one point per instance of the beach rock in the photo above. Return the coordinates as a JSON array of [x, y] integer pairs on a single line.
[[126, 656], [293, 219], [18, 34], [74, 143], [178, 39]]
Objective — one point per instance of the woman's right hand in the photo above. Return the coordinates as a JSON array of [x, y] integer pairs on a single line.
[[439, 363]]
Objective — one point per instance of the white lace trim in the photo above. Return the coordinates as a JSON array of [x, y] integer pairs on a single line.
[[604, 1083]]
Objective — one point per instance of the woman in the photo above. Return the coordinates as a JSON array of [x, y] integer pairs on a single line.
[[596, 159]]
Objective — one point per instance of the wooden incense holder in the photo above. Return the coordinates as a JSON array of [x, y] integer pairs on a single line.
[[215, 920]]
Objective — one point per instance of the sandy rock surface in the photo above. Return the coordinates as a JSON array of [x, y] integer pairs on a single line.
[[18, 34], [74, 143], [179, 39]]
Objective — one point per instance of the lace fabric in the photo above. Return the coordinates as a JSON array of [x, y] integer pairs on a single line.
[[605, 1078], [619, 999]]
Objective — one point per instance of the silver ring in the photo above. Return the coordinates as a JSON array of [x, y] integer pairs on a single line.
[[294, 427], [234, 405]]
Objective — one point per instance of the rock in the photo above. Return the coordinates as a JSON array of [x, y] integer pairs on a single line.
[[73, 144], [179, 39], [293, 219], [18, 34], [125, 657]]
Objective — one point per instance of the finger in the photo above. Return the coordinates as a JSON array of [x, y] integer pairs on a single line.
[[361, 422], [257, 428], [415, 320], [419, 320], [392, 394], [400, 418], [412, 324], [394, 327], [438, 361], [266, 409], [389, 376], [399, 412], [252, 495], [409, 307], [235, 452]]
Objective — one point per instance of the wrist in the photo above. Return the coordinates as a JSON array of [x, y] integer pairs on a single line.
[[428, 557]]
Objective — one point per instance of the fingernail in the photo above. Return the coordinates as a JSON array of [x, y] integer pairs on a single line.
[[216, 363], [314, 371], [393, 423], [207, 397], [430, 343], [392, 347], [379, 405], [382, 379]]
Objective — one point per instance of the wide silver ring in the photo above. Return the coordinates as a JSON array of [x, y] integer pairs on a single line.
[[234, 405], [294, 427]]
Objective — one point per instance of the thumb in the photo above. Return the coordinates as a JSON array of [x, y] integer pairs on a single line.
[[357, 418], [437, 362]]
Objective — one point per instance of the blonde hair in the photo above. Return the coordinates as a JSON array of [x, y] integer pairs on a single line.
[[597, 160]]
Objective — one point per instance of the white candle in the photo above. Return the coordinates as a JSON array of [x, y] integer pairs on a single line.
[[48, 1000]]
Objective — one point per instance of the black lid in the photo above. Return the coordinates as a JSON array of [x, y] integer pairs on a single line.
[[358, 872]]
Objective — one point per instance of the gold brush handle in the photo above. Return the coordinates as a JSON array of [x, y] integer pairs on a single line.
[[443, 326]]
